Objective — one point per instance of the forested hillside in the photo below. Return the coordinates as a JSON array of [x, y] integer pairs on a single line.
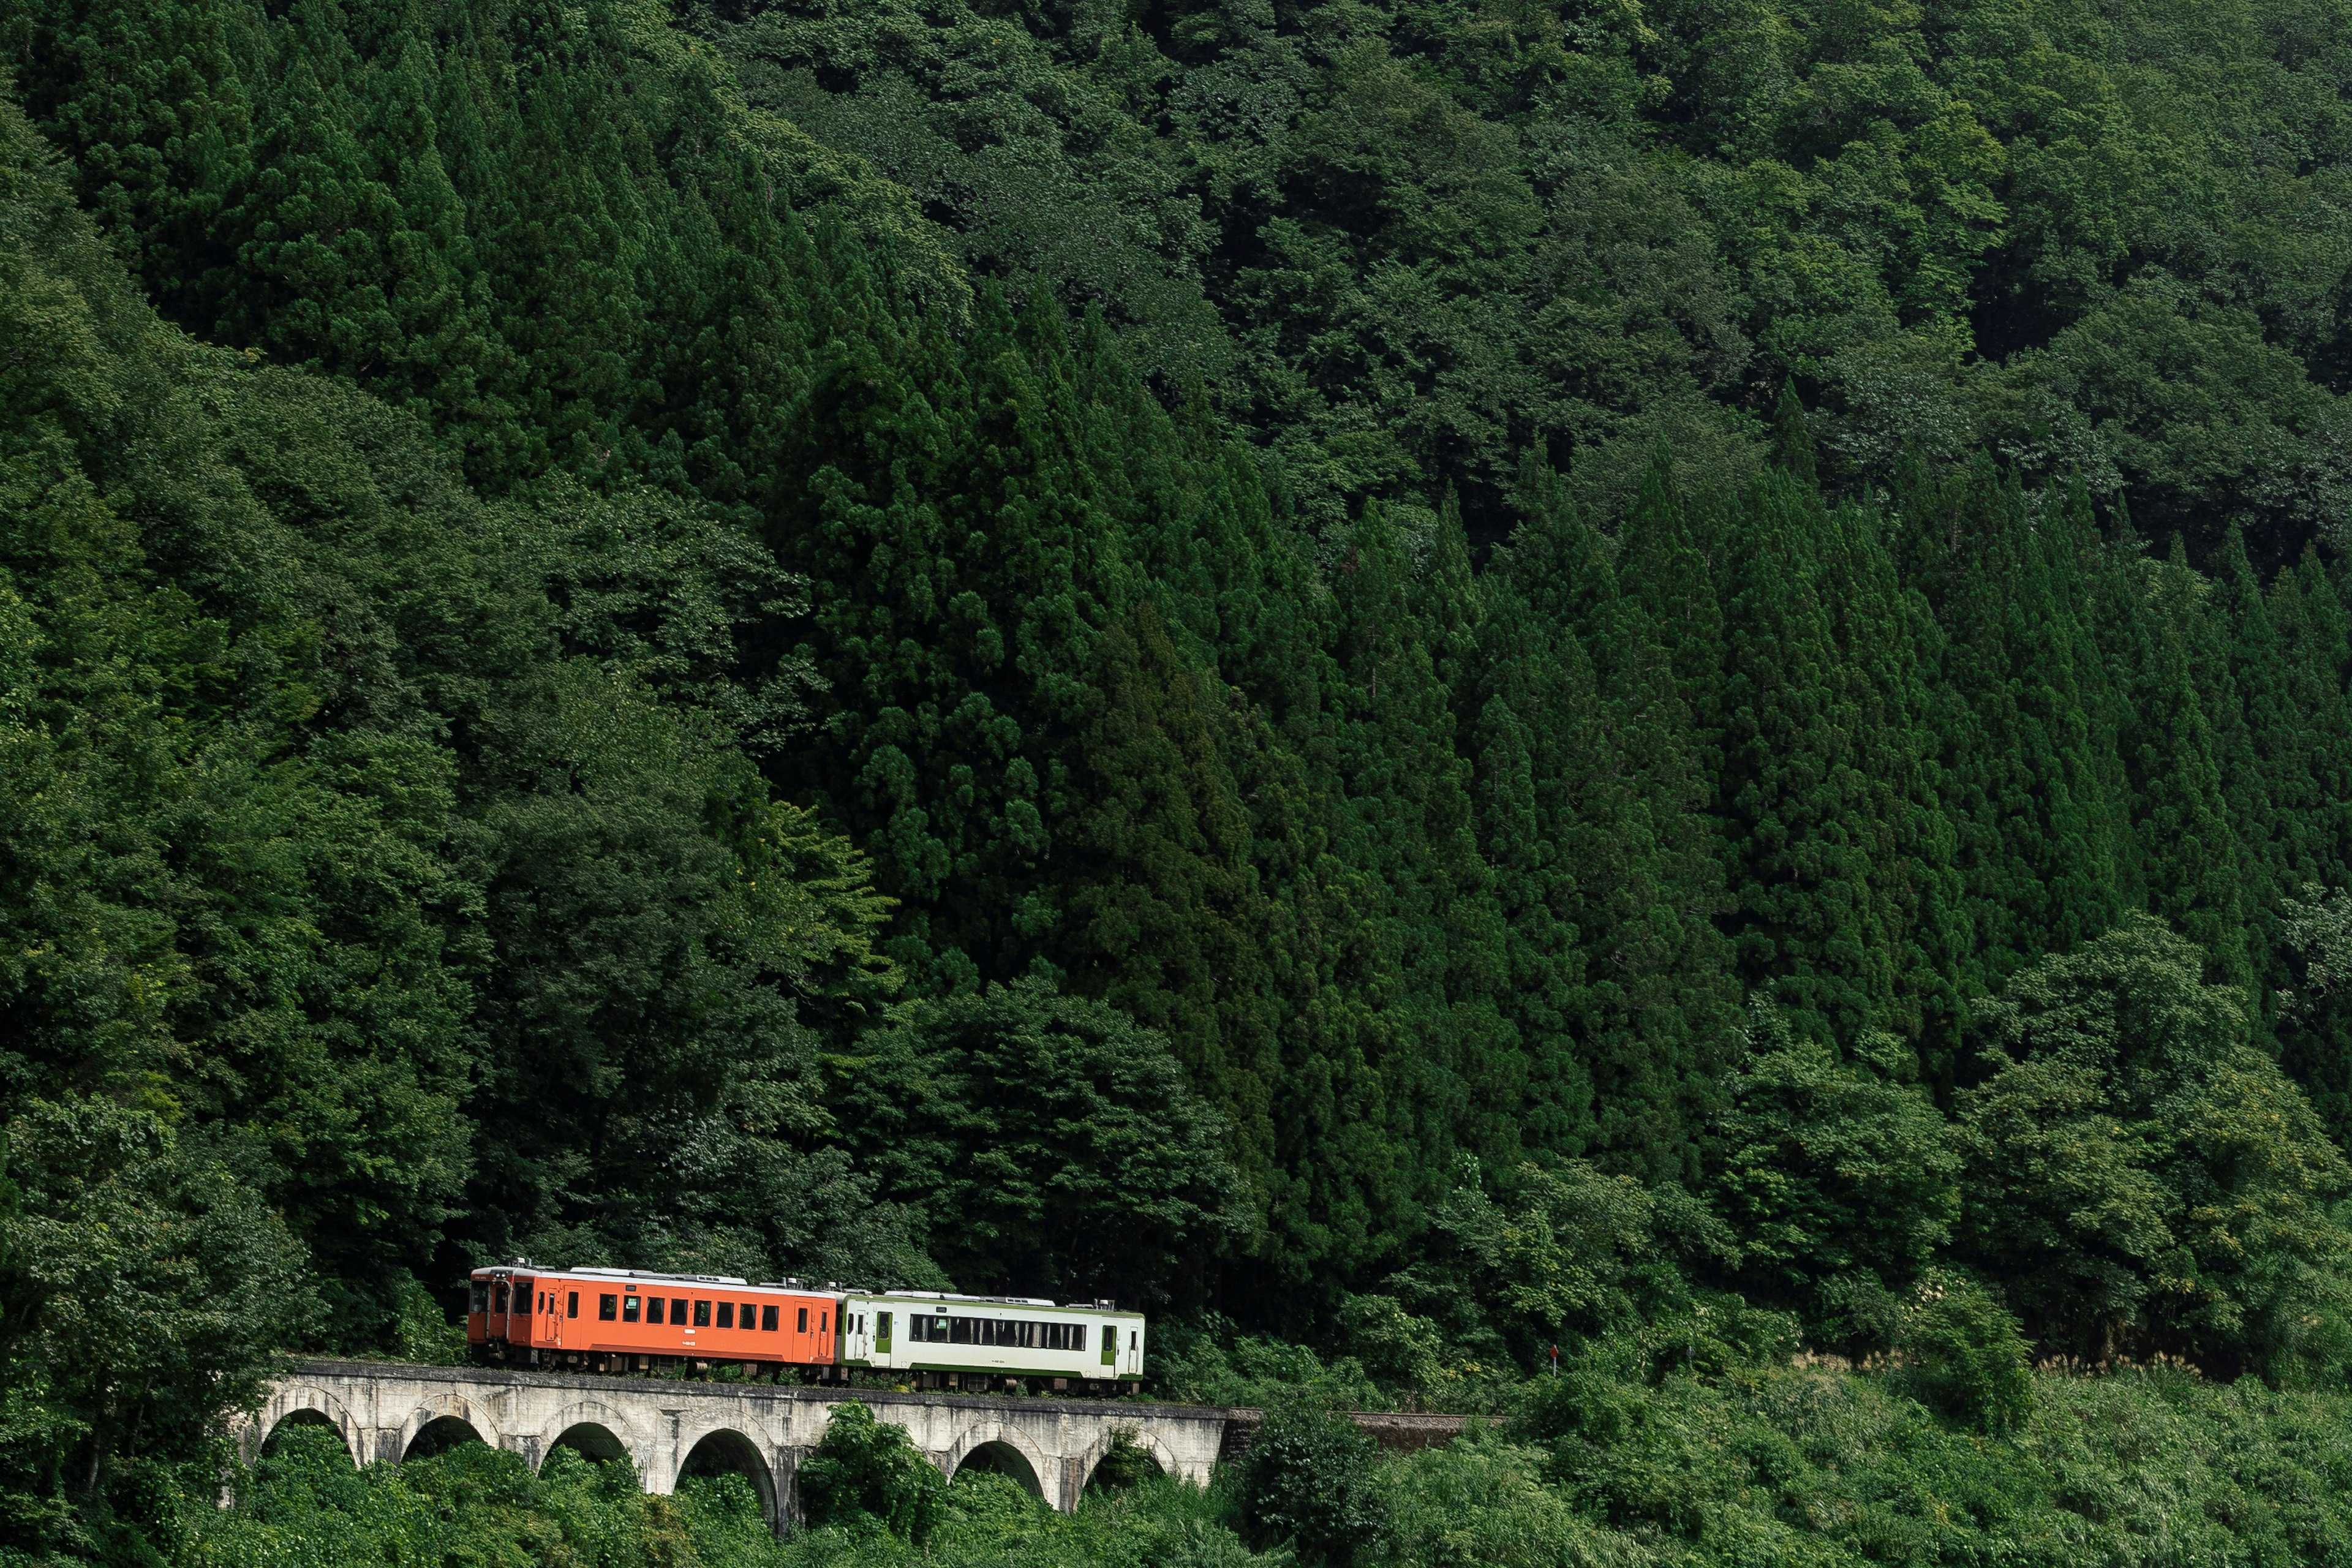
[[1435, 678]]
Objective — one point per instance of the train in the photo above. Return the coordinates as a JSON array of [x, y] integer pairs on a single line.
[[620, 1320]]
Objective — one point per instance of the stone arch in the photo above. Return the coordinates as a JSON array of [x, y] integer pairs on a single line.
[[442, 1416], [1142, 1435], [994, 1447], [592, 1440], [593, 1427], [305, 1417], [439, 1435], [723, 1451], [303, 1402]]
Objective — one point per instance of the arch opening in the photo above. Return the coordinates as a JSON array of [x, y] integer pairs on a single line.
[[439, 1435], [1123, 1463], [591, 1440], [727, 1452], [304, 1421], [1001, 1458]]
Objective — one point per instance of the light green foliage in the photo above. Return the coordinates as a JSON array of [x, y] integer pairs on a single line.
[[2146, 1176], [1208, 1362], [2322, 929], [1791, 1465], [1484, 1500], [1835, 1175], [1308, 1483], [142, 1287], [865, 1476], [1572, 1257], [989, 1521], [1963, 1349], [1398, 1348], [304, 1505]]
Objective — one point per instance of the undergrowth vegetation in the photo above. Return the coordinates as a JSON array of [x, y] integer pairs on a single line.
[[1781, 1464]]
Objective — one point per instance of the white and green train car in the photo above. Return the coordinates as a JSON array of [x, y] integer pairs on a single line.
[[985, 1340]]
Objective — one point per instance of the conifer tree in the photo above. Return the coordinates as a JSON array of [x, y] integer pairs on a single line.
[[1604, 862], [2018, 712], [2185, 855]]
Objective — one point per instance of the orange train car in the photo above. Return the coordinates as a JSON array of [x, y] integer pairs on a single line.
[[627, 1320]]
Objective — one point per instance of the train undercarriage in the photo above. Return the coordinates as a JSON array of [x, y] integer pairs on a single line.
[[619, 1364]]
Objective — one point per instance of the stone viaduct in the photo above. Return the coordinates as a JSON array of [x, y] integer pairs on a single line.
[[760, 1431]]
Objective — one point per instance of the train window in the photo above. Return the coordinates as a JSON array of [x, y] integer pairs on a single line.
[[498, 1299], [574, 1310], [543, 1301], [768, 1318], [821, 1319], [478, 1299], [726, 1315], [747, 1320], [881, 1330], [677, 1310], [607, 1308], [702, 1314], [1134, 1338], [802, 1327], [629, 1310], [652, 1308]]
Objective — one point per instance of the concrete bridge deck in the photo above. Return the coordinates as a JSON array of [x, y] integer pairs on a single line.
[[391, 1411]]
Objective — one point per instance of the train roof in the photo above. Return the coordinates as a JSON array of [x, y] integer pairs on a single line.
[[543, 1271], [1094, 1306], [828, 1287]]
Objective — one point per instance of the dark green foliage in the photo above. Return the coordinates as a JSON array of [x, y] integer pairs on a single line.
[[1052, 1143], [1126, 647], [866, 1474], [308, 754], [1307, 1482]]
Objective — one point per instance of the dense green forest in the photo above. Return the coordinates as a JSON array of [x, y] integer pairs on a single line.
[[1428, 679]]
